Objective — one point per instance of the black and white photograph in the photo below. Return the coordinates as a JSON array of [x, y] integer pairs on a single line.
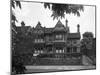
[[52, 37]]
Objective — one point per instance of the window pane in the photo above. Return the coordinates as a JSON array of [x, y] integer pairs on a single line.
[[58, 36], [68, 50], [75, 49]]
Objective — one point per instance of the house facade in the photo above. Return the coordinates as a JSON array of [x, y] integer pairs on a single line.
[[56, 42]]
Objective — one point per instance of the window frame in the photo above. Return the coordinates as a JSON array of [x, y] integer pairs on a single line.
[[59, 37]]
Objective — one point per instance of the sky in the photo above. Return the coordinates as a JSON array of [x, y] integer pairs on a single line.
[[32, 12]]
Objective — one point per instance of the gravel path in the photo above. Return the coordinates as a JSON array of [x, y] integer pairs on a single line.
[[31, 69]]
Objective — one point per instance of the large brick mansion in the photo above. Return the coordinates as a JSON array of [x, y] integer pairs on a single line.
[[56, 42]]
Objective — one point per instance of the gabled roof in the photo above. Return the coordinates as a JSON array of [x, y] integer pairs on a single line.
[[74, 36], [38, 29], [59, 27], [38, 26], [59, 24]]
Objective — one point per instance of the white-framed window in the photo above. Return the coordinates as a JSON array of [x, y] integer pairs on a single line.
[[57, 51], [35, 51], [35, 40], [41, 51], [60, 51], [63, 51], [59, 36], [38, 40]]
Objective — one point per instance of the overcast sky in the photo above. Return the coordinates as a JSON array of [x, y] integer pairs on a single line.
[[32, 12]]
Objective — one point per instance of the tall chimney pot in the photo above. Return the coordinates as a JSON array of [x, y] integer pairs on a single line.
[[78, 28]]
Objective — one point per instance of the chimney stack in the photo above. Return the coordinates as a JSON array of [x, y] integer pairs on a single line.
[[66, 23], [78, 28], [22, 24]]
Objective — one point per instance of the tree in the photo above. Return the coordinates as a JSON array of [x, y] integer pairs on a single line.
[[14, 3], [88, 46], [17, 64], [87, 43], [88, 35], [13, 20], [59, 10]]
